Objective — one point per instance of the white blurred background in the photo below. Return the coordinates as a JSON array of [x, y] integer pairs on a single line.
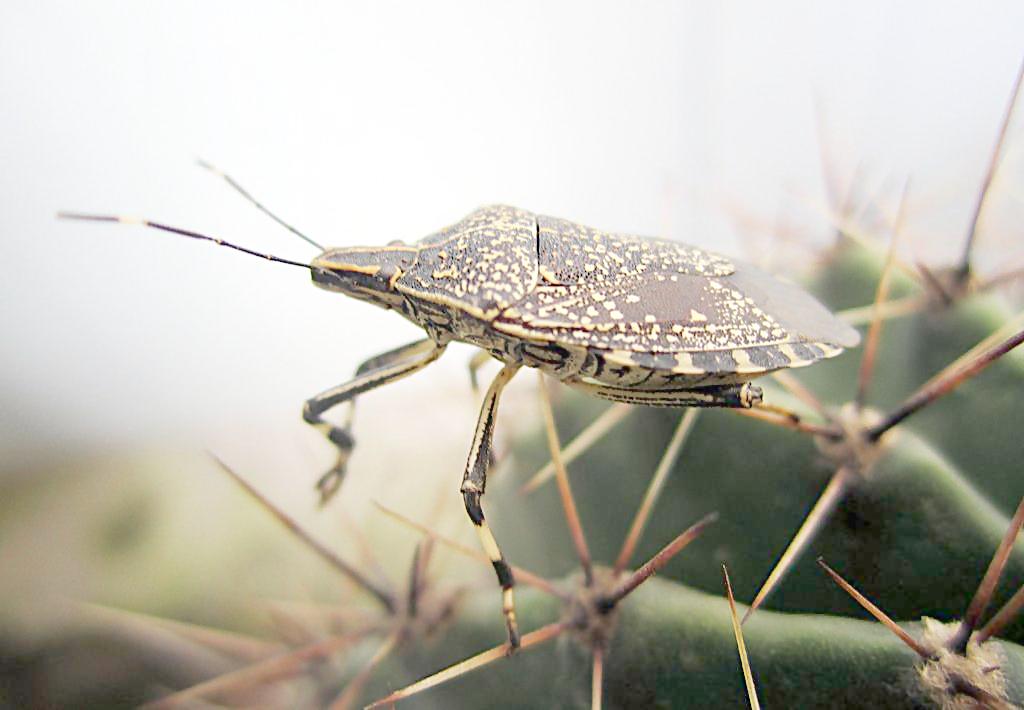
[[365, 122], [127, 353]]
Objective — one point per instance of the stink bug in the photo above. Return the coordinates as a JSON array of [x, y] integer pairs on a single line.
[[626, 318]]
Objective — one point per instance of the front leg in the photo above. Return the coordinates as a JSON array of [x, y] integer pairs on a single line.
[[474, 481], [375, 372]]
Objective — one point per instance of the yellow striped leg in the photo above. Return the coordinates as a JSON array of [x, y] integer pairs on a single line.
[[474, 481], [741, 396], [479, 359], [375, 372]]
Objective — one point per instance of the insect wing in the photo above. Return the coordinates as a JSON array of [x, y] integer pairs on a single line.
[[664, 305]]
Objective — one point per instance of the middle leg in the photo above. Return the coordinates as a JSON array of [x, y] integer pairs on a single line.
[[474, 481]]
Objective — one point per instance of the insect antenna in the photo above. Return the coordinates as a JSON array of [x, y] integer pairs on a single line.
[[182, 232], [256, 203]]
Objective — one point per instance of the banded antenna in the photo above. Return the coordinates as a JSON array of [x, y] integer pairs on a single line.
[[255, 203], [182, 232]]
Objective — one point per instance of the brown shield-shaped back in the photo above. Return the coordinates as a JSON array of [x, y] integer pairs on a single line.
[[680, 308], [482, 265]]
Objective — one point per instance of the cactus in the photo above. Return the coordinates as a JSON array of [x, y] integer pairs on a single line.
[[913, 521], [915, 528], [916, 489], [914, 531], [880, 487]]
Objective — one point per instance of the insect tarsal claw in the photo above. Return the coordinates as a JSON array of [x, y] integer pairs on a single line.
[[751, 395], [330, 483]]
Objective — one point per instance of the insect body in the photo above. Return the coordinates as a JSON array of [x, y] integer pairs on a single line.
[[622, 317], [626, 318]]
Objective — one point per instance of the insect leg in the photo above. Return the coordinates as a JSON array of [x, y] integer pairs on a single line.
[[474, 481], [732, 396], [375, 372], [479, 359]]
